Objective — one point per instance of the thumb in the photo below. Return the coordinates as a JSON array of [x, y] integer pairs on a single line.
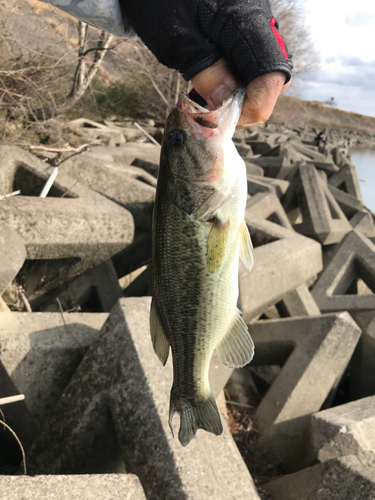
[[215, 83], [261, 96]]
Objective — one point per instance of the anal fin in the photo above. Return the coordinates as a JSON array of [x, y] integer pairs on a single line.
[[158, 336], [236, 348], [246, 247]]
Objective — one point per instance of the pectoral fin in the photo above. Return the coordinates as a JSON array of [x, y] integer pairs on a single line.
[[246, 247], [216, 243], [159, 339], [236, 348]]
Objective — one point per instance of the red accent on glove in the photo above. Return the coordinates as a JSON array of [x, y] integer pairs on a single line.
[[279, 38]]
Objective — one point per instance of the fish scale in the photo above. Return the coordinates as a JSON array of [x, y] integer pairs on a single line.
[[198, 235]]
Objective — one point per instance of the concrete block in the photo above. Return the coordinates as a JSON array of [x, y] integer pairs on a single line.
[[260, 185], [321, 166], [363, 222], [122, 373], [362, 379], [136, 255], [126, 153], [298, 302], [349, 204], [244, 151], [91, 129], [339, 157], [272, 165], [287, 151], [336, 288], [345, 478], [70, 231], [314, 353], [82, 487], [148, 166], [310, 152], [344, 430], [346, 179], [266, 205], [12, 255], [252, 169], [141, 286], [283, 260], [19, 419], [259, 147], [96, 290], [322, 218], [40, 353], [129, 186]]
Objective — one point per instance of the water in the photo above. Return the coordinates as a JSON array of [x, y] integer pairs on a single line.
[[364, 162]]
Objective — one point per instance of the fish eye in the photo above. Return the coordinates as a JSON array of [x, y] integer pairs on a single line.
[[177, 138]]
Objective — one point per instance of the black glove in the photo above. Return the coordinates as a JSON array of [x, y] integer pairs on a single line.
[[190, 35]]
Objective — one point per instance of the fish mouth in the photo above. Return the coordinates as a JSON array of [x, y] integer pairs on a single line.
[[204, 123]]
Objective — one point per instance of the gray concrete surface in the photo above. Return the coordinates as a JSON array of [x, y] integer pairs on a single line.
[[346, 478], [266, 205], [70, 231], [12, 255], [41, 351], [122, 372], [354, 258], [313, 353], [298, 302], [82, 487], [322, 218], [347, 429], [283, 260]]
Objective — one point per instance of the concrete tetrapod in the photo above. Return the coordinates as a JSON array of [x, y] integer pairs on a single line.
[[347, 180], [12, 255], [129, 186], [95, 290], [354, 259], [121, 374], [283, 260], [363, 222], [82, 487], [362, 379], [346, 478], [70, 231], [299, 302], [41, 351], [266, 205], [314, 353], [322, 218], [348, 429]]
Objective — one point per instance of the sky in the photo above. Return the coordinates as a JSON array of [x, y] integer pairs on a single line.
[[344, 34]]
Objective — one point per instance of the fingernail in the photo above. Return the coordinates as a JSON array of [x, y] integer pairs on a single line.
[[219, 95]]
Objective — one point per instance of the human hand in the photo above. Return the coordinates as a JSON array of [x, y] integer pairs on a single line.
[[217, 82]]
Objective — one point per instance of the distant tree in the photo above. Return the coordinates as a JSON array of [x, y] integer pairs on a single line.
[[291, 17]]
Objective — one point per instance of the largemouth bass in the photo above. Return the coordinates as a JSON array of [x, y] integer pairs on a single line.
[[199, 234]]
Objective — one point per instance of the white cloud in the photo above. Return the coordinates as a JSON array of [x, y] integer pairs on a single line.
[[360, 19], [343, 33]]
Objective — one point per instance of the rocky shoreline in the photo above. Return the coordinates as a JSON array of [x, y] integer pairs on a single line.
[[75, 281]]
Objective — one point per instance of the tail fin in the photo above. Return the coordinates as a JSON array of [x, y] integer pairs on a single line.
[[194, 416]]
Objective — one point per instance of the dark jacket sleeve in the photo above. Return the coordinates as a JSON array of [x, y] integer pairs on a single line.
[[190, 35]]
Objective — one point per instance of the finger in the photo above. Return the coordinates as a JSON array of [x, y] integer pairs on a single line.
[[261, 97], [215, 83]]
